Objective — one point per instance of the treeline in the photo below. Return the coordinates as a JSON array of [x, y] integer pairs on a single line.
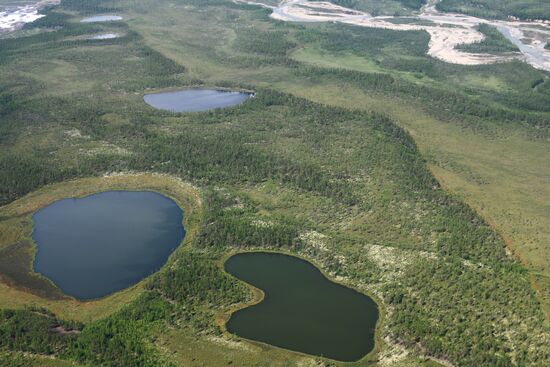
[[25, 172], [198, 287], [271, 43], [494, 42], [413, 4], [189, 291], [89, 7], [501, 9], [356, 4], [441, 102], [234, 223], [34, 330], [406, 51], [230, 158], [450, 318], [239, 156], [122, 338]]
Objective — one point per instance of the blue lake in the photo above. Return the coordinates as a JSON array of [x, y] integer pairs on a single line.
[[101, 18], [195, 100], [94, 246]]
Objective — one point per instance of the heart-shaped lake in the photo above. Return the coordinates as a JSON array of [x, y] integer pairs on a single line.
[[302, 310]]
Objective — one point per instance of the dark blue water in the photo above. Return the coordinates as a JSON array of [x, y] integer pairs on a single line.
[[195, 100], [302, 309], [100, 244]]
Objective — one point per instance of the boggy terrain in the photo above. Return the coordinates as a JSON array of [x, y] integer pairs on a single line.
[[314, 165]]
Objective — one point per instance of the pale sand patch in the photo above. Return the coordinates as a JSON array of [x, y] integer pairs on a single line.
[[314, 239], [105, 147], [392, 354], [442, 46], [260, 223], [230, 343], [75, 134]]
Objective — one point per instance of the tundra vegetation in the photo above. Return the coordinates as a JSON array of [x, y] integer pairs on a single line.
[[334, 160]]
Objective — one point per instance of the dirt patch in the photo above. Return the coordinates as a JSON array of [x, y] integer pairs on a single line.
[[61, 330]]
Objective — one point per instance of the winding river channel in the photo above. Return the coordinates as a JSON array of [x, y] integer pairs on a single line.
[[446, 30]]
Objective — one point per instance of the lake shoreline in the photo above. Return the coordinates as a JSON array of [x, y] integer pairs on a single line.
[[258, 296], [138, 229], [187, 197], [196, 99]]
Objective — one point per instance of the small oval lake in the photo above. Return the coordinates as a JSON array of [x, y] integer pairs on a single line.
[[195, 100], [101, 18], [100, 244], [302, 309]]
